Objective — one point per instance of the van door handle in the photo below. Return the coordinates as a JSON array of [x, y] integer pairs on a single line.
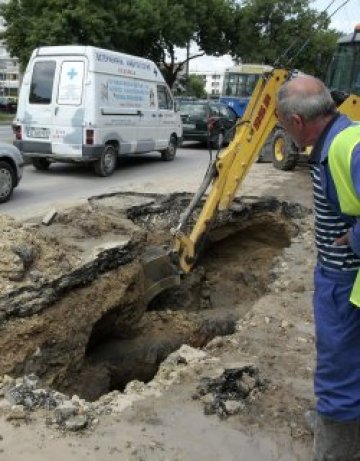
[[154, 115], [160, 115], [56, 110], [140, 114]]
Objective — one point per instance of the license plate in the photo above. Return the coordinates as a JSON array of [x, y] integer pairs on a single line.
[[38, 133], [189, 126]]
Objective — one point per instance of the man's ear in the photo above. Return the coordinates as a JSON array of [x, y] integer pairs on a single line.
[[298, 120]]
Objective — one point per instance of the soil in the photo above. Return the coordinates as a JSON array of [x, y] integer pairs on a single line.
[[138, 371]]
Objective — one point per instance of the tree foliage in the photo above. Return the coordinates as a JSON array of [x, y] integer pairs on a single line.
[[254, 30], [34, 23], [149, 28], [287, 32], [204, 22], [194, 86]]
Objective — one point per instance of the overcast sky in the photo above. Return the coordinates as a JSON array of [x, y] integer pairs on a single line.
[[344, 20]]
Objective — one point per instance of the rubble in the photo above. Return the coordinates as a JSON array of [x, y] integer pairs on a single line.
[[229, 393], [25, 395], [49, 218]]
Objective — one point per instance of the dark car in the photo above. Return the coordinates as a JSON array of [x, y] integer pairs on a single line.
[[7, 104], [208, 122]]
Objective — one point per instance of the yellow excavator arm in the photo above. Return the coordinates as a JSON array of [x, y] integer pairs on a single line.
[[223, 178], [228, 171]]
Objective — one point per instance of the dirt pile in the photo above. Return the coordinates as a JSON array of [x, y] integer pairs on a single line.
[[59, 280], [30, 257]]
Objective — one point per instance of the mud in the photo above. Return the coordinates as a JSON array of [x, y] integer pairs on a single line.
[[73, 314]]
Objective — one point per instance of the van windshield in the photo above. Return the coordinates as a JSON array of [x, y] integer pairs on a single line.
[[42, 82]]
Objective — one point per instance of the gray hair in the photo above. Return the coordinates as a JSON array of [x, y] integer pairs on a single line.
[[310, 105]]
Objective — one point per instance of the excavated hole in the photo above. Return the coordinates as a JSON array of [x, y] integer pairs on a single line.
[[234, 271]]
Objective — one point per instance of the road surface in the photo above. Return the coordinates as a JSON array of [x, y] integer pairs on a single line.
[[68, 184], [6, 134]]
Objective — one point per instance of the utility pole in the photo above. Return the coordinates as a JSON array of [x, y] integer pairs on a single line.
[[187, 59]]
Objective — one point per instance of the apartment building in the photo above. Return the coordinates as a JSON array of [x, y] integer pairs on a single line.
[[9, 68], [213, 81]]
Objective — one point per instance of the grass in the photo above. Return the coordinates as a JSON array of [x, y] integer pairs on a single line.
[[6, 117]]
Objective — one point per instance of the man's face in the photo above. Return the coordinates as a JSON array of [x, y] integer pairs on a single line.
[[296, 128]]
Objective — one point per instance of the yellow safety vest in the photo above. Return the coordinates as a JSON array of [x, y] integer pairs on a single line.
[[340, 154]]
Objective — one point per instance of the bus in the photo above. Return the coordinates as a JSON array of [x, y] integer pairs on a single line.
[[239, 83]]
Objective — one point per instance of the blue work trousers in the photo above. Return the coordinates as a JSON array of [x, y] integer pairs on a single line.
[[337, 330]]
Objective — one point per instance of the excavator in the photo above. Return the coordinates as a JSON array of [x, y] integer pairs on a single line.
[[342, 78], [224, 177]]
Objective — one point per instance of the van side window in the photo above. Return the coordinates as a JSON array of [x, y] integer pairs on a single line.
[[164, 98], [71, 83], [42, 82]]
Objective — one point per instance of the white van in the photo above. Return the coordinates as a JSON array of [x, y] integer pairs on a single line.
[[85, 104]]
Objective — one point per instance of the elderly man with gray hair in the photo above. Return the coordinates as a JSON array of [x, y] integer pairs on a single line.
[[307, 112]]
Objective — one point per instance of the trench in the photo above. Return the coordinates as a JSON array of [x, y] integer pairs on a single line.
[[234, 271]]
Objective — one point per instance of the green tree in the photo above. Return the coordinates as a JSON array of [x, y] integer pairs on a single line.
[[33, 23], [194, 86], [149, 28], [274, 31], [203, 22], [253, 30]]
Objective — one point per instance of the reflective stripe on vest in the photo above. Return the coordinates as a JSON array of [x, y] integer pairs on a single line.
[[340, 154]]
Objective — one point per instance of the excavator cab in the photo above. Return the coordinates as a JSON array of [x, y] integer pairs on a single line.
[[343, 76]]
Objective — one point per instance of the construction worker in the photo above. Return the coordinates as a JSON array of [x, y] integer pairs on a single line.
[[307, 112]]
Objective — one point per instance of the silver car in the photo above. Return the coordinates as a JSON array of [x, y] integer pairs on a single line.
[[11, 169]]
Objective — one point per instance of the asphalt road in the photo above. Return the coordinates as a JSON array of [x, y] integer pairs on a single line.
[[6, 134], [67, 184]]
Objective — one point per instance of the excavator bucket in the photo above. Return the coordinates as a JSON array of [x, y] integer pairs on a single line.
[[159, 272]]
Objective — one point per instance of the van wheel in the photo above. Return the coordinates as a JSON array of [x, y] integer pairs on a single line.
[[106, 164], [41, 163], [7, 181], [169, 153]]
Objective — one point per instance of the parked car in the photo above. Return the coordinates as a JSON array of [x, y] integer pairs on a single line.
[[11, 169], [8, 104], [207, 121]]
